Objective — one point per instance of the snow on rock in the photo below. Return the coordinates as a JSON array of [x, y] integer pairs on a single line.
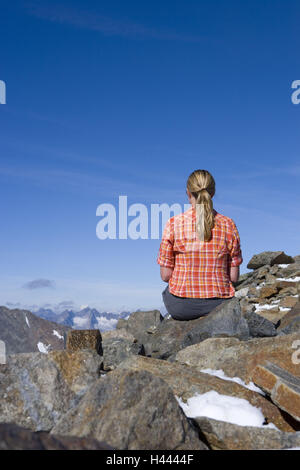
[[259, 307], [43, 348], [290, 279], [220, 373], [224, 408], [57, 334], [26, 319]]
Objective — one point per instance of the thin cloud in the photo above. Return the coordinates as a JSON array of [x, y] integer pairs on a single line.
[[92, 21], [39, 284]]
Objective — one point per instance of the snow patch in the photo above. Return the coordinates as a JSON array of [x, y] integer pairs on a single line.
[[220, 373], [26, 319], [259, 307], [224, 408], [290, 279], [57, 334], [43, 348]]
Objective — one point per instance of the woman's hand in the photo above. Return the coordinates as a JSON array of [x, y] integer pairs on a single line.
[[166, 273]]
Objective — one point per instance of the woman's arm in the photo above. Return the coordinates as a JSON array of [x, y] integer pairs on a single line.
[[234, 273], [166, 273]]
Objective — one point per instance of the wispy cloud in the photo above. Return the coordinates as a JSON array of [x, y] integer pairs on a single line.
[[39, 284], [93, 21]]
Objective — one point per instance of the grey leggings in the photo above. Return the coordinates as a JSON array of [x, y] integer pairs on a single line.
[[186, 308]]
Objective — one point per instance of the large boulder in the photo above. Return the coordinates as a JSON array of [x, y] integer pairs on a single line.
[[226, 320], [239, 358], [187, 382], [270, 258], [13, 437], [221, 435], [116, 350], [141, 325], [131, 410], [36, 389]]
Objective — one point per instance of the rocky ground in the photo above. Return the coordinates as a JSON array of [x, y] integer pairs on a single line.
[[230, 380]]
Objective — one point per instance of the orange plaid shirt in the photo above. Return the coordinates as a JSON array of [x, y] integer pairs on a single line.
[[201, 269]]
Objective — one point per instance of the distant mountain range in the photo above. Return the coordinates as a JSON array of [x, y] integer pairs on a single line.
[[86, 318]]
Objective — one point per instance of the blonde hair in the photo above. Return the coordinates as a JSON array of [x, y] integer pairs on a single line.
[[201, 185]]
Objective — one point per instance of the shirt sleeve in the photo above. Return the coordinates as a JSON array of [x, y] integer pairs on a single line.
[[234, 247], [166, 256]]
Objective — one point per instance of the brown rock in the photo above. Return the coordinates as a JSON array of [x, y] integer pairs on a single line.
[[283, 284], [239, 358], [83, 339], [79, 369], [288, 302], [187, 382], [272, 315], [268, 291], [283, 387], [221, 435], [288, 291]]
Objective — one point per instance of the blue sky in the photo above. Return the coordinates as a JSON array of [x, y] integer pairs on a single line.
[[114, 98]]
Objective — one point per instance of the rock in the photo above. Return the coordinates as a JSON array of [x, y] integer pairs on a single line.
[[259, 327], [242, 292], [225, 320], [262, 272], [239, 358], [270, 258], [290, 270], [283, 387], [33, 392], [118, 333], [79, 369], [296, 258], [274, 315], [270, 278], [286, 284], [286, 291], [142, 325], [221, 435], [274, 269], [187, 382], [288, 302], [84, 339], [291, 321], [13, 437], [116, 350], [131, 410], [246, 306], [267, 292]]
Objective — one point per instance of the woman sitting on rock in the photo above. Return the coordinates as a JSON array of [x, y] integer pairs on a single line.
[[199, 254]]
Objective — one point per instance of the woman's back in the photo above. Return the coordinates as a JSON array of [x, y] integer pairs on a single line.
[[200, 268]]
